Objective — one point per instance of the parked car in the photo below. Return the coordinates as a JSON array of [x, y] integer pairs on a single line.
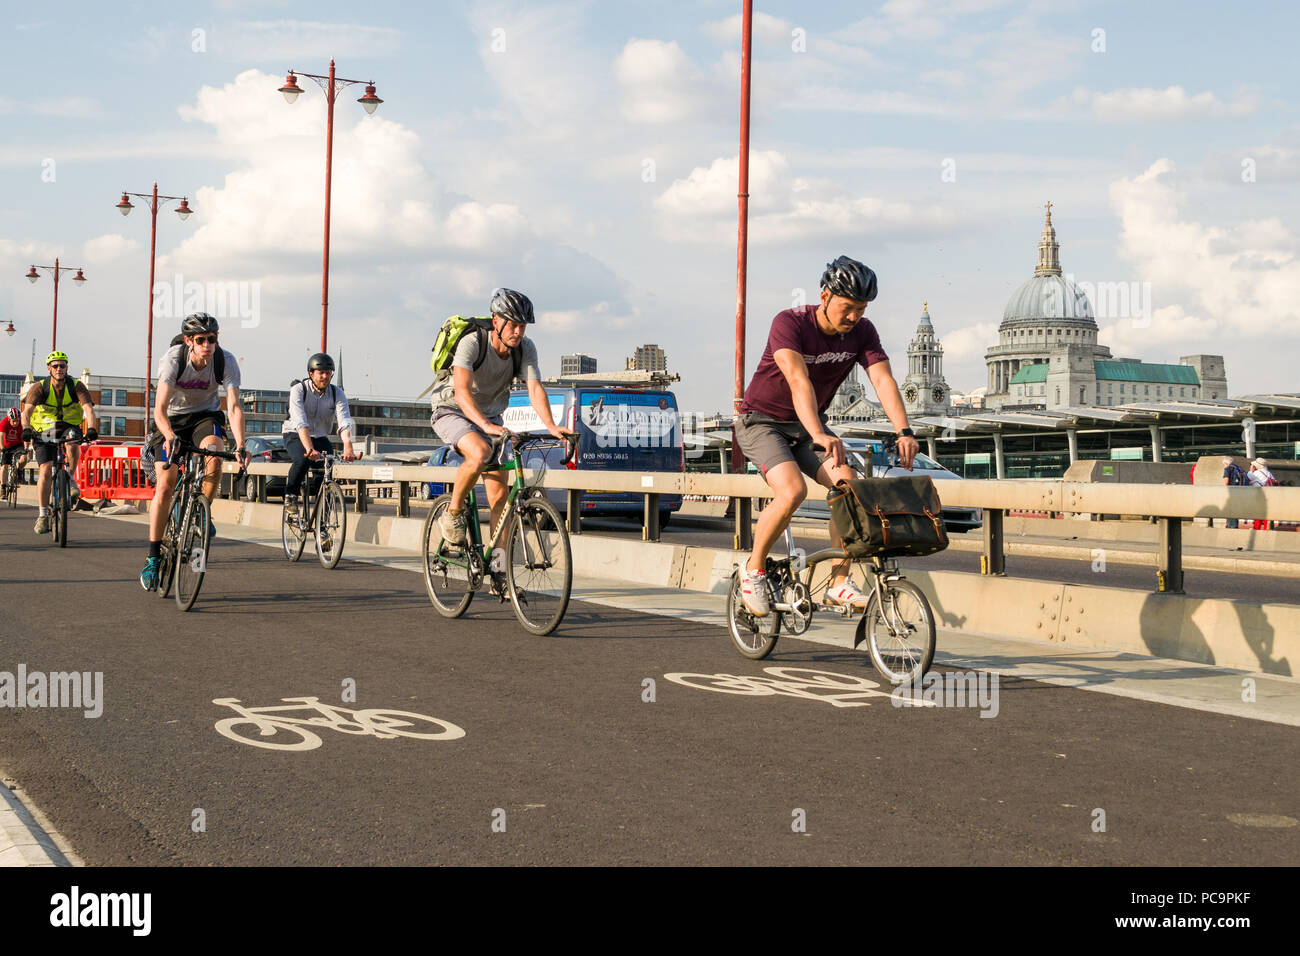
[[954, 518], [261, 450]]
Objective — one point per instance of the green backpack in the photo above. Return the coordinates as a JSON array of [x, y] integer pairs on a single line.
[[456, 328]]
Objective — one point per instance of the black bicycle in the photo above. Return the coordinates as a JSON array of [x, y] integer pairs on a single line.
[[186, 538], [327, 517], [9, 492], [61, 493]]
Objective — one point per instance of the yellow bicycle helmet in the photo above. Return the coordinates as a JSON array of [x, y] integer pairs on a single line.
[[56, 356]]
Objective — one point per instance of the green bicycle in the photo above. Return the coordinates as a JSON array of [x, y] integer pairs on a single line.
[[526, 559]]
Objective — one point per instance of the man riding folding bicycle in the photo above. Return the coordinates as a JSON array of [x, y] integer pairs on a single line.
[[315, 404], [810, 351]]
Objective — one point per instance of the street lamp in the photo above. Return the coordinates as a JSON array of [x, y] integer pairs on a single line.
[[331, 84], [125, 207], [11, 330], [55, 270]]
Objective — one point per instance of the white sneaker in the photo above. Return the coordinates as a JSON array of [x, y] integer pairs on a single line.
[[753, 591], [846, 594], [452, 525]]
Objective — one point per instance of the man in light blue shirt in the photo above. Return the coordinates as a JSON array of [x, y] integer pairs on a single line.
[[314, 406]]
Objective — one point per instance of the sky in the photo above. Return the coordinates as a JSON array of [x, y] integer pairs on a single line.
[[586, 154]]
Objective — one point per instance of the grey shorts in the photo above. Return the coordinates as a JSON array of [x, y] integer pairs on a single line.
[[451, 425], [767, 443]]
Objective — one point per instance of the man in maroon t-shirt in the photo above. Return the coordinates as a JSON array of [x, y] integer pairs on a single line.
[[810, 352]]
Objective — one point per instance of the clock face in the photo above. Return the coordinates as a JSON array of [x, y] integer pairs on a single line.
[[910, 393], [937, 394]]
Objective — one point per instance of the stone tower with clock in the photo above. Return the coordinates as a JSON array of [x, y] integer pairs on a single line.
[[924, 390]]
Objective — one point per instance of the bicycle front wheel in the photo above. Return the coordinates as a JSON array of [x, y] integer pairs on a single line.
[[753, 636], [331, 525], [192, 554], [447, 575], [539, 568], [292, 537], [60, 510], [167, 552], [900, 635]]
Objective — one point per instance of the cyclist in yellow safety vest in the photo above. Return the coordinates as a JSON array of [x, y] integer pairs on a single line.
[[50, 408]]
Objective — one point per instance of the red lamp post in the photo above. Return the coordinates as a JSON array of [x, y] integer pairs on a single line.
[[55, 270], [742, 228], [331, 84], [184, 210]]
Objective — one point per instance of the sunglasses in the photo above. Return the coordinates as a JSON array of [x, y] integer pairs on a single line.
[[205, 339], [58, 365]]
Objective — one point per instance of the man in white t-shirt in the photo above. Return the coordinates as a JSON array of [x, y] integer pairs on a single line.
[[188, 407]]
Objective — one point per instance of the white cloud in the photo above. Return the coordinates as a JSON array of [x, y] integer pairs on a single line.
[[766, 29], [971, 341], [106, 248], [1240, 280], [787, 208], [659, 83], [1142, 105]]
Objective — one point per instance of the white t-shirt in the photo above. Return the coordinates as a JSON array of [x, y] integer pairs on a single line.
[[194, 389]]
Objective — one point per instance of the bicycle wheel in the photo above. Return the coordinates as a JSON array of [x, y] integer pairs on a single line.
[[11, 490], [167, 550], [59, 509], [331, 525], [292, 537], [192, 554], [753, 636], [539, 567], [247, 730], [446, 573], [900, 636]]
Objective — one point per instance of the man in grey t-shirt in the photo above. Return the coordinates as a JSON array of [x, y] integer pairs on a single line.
[[467, 406]]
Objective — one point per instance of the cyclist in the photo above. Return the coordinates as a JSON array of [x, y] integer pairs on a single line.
[[314, 405], [468, 405], [13, 452], [50, 409], [810, 351], [188, 407]]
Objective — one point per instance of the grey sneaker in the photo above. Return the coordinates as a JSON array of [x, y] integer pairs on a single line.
[[452, 525], [43, 524]]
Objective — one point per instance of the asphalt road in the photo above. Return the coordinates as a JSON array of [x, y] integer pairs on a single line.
[[561, 750]]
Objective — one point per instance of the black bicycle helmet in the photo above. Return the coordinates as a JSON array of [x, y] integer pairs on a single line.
[[320, 362], [512, 306], [199, 322], [849, 278]]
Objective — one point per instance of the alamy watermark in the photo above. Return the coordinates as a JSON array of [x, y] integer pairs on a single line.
[[225, 300], [79, 690], [951, 689], [1130, 299], [75, 908]]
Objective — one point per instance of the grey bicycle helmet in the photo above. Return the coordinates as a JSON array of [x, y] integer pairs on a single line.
[[512, 306], [320, 362], [849, 278], [199, 322]]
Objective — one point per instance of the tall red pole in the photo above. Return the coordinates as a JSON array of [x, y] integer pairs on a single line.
[[148, 349], [325, 266], [54, 330], [742, 231]]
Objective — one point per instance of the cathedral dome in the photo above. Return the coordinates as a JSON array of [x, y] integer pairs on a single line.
[[1048, 297], [1048, 294]]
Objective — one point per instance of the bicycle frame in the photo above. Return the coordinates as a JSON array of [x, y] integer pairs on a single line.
[[484, 551], [306, 519]]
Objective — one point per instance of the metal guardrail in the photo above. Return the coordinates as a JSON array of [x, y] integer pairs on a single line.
[[1170, 505]]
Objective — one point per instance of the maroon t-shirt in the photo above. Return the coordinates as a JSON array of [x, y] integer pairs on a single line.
[[829, 359]]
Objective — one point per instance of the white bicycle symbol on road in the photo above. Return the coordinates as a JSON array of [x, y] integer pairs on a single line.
[[255, 725], [839, 690]]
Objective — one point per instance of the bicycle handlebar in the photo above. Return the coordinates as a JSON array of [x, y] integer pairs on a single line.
[[518, 442]]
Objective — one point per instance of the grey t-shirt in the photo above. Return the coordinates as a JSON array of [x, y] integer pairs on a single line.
[[194, 389], [491, 383]]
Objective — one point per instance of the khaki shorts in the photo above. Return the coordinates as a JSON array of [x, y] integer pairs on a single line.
[[767, 443], [451, 426]]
